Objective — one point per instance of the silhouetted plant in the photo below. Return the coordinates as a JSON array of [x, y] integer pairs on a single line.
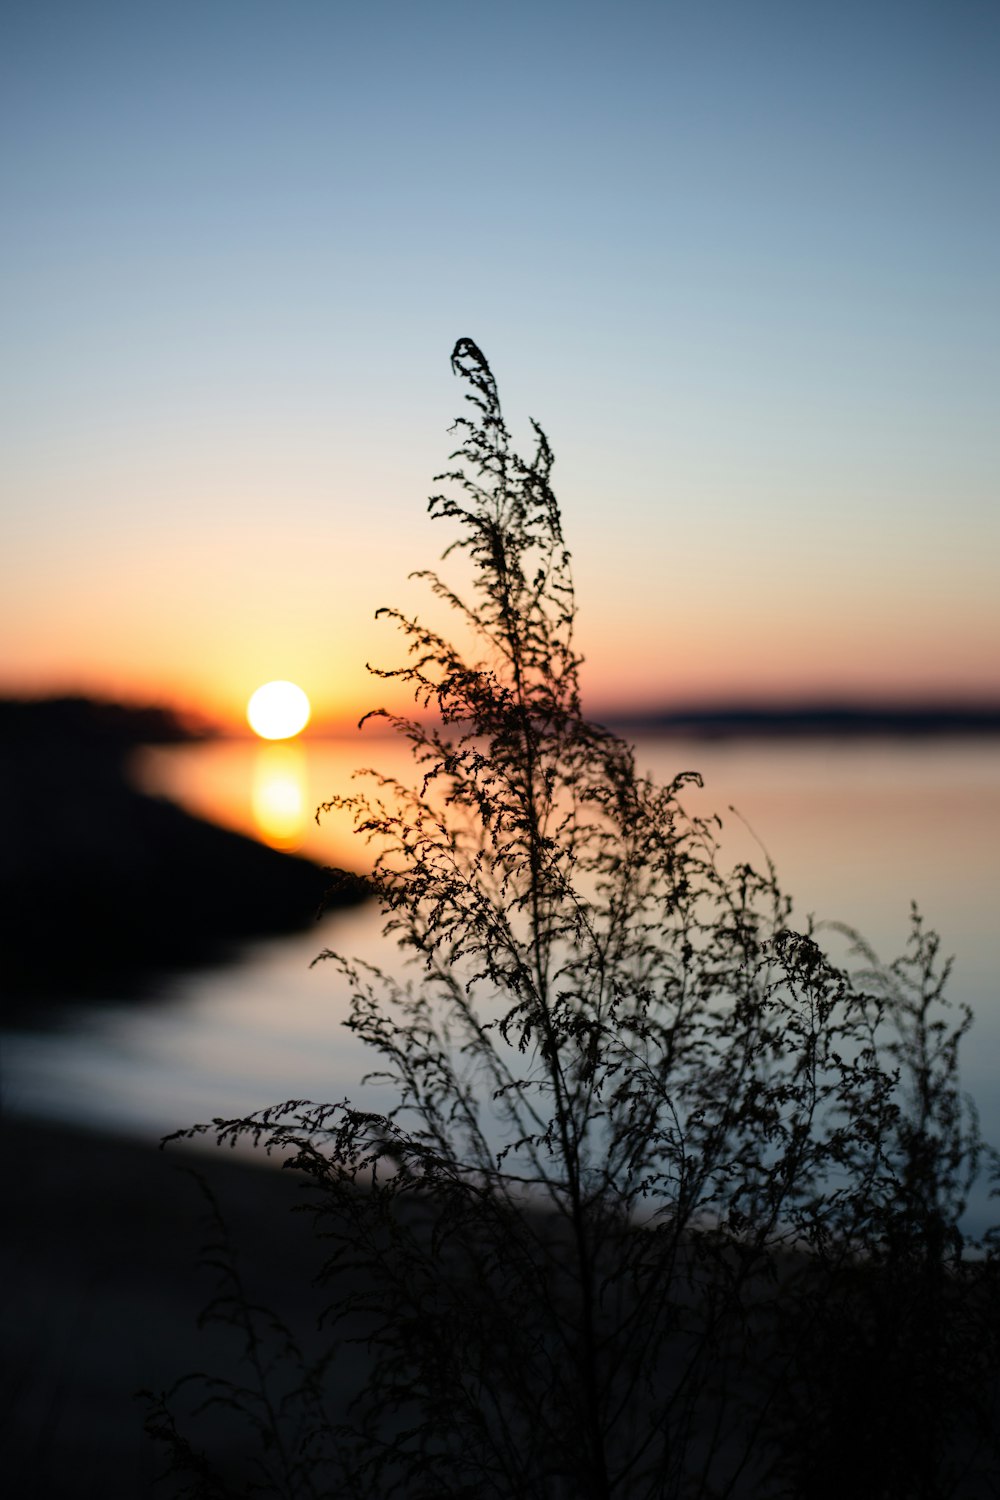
[[662, 1185]]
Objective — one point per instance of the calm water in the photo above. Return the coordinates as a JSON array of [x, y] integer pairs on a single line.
[[856, 831]]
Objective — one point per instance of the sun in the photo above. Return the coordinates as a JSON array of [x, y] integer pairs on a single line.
[[278, 710]]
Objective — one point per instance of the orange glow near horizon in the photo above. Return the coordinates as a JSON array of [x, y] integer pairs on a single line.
[[121, 636], [637, 686]]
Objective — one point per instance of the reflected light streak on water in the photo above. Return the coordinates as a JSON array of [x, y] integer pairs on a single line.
[[280, 793]]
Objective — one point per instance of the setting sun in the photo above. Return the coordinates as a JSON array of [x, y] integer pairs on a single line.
[[278, 710]]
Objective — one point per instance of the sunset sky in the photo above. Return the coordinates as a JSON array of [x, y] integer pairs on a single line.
[[741, 260]]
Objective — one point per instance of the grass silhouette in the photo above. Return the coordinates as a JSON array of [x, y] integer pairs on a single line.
[[669, 1203]]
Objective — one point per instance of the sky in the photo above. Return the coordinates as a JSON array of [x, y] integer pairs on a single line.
[[739, 259]]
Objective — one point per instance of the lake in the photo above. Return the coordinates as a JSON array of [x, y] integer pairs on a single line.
[[857, 829]]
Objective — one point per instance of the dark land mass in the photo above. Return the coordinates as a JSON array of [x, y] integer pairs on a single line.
[[103, 887], [103, 1281], [816, 720]]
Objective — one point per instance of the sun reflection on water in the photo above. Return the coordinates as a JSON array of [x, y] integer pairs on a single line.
[[279, 796]]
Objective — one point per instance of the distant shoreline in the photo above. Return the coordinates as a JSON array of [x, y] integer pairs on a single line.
[[725, 721], [819, 720]]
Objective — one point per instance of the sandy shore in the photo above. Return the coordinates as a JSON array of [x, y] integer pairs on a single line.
[[101, 1292]]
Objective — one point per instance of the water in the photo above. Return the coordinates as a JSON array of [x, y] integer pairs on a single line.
[[856, 830]]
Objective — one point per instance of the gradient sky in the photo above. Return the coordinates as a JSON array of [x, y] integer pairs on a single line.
[[740, 259]]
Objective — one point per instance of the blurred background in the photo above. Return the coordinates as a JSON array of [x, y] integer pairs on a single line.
[[739, 261]]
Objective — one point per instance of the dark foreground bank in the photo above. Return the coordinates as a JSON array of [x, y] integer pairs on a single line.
[[104, 1278], [102, 1286]]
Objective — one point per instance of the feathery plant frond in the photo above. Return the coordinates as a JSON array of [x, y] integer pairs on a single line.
[[644, 1132]]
